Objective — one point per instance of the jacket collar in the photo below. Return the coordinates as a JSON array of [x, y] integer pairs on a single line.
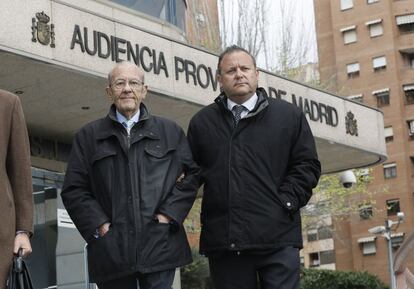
[[262, 101], [111, 127]]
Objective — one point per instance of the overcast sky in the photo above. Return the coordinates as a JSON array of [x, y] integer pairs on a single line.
[[303, 27]]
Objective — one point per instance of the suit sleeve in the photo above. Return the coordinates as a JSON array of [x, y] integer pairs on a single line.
[[303, 169], [183, 194], [19, 170], [85, 211]]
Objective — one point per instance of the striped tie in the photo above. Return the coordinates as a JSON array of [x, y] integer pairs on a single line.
[[128, 125], [237, 111]]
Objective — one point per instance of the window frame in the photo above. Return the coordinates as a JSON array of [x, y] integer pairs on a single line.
[[383, 97], [314, 235], [408, 93], [372, 25], [393, 206], [351, 72], [406, 26], [346, 4], [327, 257], [379, 59], [366, 211], [388, 134], [390, 171], [349, 38], [369, 248]]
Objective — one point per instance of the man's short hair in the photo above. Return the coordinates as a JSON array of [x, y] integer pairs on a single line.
[[231, 49]]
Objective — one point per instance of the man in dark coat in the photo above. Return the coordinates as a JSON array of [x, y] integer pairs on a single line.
[[129, 185], [258, 165], [16, 198]]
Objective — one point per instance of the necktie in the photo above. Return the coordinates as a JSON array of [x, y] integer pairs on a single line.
[[128, 125], [237, 111]]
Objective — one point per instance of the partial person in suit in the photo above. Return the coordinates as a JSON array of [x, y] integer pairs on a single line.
[[16, 199]]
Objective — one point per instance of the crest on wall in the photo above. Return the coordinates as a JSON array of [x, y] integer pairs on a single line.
[[351, 124], [42, 31]]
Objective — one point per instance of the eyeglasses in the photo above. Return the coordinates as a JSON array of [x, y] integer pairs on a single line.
[[121, 83]]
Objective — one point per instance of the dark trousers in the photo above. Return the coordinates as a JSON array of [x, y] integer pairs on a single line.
[[156, 280], [277, 269]]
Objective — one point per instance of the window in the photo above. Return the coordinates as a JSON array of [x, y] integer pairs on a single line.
[[314, 260], [346, 4], [408, 57], [396, 240], [411, 127], [383, 96], [375, 27], [357, 97], [368, 245], [372, 1], [324, 233], [409, 93], [365, 211], [327, 257], [379, 63], [312, 235], [352, 70], [389, 134], [390, 170], [405, 23], [349, 34], [393, 207], [172, 11]]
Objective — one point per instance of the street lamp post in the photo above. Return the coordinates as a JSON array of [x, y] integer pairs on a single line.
[[387, 235], [385, 231]]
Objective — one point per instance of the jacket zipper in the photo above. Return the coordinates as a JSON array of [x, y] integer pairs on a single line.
[[131, 168], [229, 180]]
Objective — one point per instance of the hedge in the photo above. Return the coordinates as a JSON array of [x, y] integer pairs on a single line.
[[329, 279]]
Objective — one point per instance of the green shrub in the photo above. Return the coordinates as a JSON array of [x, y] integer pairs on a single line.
[[329, 279], [196, 275]]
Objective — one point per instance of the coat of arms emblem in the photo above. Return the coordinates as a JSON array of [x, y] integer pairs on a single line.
[[351, 124], [45, 32]]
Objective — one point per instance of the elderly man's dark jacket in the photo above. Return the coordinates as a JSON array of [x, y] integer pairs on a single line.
[[125, 181], [256, 176]]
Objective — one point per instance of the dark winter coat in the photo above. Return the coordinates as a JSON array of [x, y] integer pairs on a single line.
[[256, 176], [125, 181]]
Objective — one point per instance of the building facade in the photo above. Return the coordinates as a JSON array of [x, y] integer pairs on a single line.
[[55, 54], [366, 52]]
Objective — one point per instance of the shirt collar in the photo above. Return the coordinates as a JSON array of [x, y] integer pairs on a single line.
[[121, 119], [248, 104]]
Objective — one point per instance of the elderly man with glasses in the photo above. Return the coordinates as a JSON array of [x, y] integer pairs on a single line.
[[129, 185]]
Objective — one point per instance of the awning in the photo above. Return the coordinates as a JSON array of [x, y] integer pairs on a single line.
[[392, 165], [405, 19], [388, 131], [408, 87], [367, 239], [379, 62], [355, 96], [396, 235], [353, 67], [379, 91], [373, 22], [348, 28]]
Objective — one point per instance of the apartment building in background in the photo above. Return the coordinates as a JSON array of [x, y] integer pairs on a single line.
[[366, 53]]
